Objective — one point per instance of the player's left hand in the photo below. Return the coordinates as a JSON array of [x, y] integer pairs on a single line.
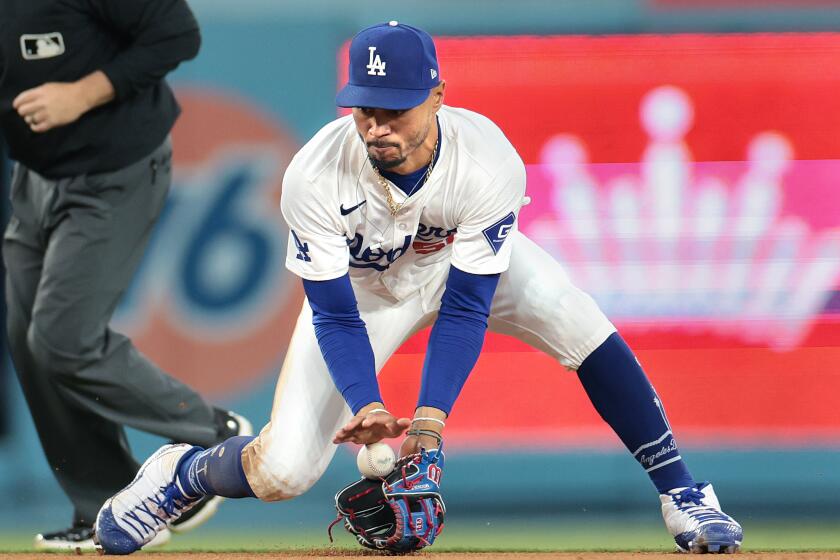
[[50, 105], [371, 427]]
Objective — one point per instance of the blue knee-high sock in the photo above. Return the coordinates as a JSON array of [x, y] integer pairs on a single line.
[[625, 399], [216, 471]]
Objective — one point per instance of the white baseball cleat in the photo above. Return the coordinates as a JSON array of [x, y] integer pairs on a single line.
[[141, 511], [695, 520]]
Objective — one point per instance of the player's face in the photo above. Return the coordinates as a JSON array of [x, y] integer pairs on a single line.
[[395, 139]]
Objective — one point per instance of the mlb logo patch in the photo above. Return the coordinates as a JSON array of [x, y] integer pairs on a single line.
[[498, 232], [37, 46]]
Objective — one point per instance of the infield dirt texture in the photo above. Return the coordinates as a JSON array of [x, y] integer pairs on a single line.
[[327, 554]]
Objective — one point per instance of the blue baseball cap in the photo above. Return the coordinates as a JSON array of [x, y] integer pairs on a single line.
[[392, 66]]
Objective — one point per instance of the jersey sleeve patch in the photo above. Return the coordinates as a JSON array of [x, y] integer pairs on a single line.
[[498, 232]]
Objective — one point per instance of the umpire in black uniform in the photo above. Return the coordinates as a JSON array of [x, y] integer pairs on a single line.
[[86, 114]]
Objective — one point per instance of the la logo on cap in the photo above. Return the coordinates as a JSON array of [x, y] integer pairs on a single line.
[[375, 65]]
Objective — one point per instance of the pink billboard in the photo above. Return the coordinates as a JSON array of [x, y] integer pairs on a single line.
[[688, 182]]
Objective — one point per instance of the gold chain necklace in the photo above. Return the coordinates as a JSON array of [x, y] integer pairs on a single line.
[[389, 198]]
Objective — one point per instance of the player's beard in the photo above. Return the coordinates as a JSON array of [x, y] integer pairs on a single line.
[[415, 143], [386, 163]]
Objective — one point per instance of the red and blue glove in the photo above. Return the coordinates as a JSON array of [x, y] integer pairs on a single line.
[[402, 512]]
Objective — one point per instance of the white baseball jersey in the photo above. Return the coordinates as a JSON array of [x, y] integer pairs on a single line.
[[339, 218], [465, 215]]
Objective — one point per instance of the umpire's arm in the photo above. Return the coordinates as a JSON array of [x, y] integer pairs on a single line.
[[158, 35]]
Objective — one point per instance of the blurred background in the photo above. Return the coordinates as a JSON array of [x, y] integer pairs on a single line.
[[683, 159]]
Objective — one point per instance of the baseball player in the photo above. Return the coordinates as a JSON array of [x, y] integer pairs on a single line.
[[86, 113], [403, 215]]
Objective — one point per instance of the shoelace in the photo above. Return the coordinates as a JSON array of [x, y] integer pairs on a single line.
[[168, 501], [173, 501], [689, 495], [690, 501]]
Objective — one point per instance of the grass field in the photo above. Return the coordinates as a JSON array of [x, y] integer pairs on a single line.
[[476, 537]]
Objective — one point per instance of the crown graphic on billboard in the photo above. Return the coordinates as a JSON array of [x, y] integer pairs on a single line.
[[697, 246]]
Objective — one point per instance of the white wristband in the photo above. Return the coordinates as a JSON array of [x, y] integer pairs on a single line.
[[428, 419], [377, 410]]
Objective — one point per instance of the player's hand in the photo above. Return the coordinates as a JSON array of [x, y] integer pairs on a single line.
[[410, 446], [56, 104], [50, 105], [426, 431], [413, 444], [371, 427]]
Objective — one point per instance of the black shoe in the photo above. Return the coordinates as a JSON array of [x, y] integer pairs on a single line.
[[230, 424], [67, 540], [80, 538]]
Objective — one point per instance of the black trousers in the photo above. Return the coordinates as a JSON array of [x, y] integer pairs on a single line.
[[70, 249]]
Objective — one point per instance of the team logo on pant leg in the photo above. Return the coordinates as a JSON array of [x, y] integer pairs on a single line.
[[498, 232]]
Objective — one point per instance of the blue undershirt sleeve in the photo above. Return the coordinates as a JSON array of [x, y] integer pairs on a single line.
[[457, 337], [343, 340]]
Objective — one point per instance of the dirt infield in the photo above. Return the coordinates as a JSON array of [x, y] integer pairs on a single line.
[[330, 554]]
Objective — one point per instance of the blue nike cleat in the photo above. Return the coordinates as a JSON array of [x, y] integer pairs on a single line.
[[143, 510], [695, 520]]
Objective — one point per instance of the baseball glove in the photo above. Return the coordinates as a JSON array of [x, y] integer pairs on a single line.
[[402, 512]]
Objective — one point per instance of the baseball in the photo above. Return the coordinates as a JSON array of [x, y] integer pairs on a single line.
[[376, 460]]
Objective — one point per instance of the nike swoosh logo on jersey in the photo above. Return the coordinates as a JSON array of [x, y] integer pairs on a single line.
[[345, 211]]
